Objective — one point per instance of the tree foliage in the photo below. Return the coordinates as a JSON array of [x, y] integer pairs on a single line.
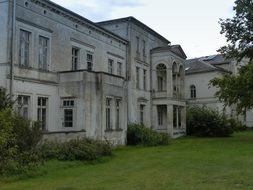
[[238, 89], [239, 31]]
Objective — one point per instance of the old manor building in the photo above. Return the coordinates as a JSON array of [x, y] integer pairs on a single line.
[[86, 79]]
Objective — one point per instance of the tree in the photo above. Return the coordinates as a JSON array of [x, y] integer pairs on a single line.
[[238, 89]]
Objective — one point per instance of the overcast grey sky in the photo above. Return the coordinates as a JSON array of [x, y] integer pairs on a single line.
[[191, 23]]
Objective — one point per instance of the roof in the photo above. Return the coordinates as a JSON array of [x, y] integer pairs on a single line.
[[176, 49], [138, 23], [78, 18], [206, 64]]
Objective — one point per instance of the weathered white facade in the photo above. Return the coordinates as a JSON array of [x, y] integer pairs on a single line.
[[156, 77], [79, 79], [199, 72]]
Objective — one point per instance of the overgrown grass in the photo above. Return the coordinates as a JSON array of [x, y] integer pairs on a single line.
[[186, 164]]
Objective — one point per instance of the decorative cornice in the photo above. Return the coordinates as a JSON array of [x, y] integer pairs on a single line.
[[82, 43], [74, 17], [115, 55], [34, 25]]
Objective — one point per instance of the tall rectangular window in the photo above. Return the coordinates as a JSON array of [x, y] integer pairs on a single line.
[[42, 112], [119, 69], [75, 58], [110, 66], [144, 79], [137, 77], [23, 106], [24, 48], [144, 48], [142, 107], [89, 61], [118, 103], [68, 109], [160, 83], [43, 53], [137, 44], [160, 117], [175, 116], [108, 114]]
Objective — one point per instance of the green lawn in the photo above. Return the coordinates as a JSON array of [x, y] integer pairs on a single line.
[[188, 163]]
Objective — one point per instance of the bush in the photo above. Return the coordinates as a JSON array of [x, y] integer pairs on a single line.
[[202, 121], [140, 135], [76, 149], [17, 143]]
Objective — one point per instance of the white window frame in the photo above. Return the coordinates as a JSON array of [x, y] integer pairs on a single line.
[[110, 66], [89, 59], [193, 91], [24, 102], [42, 107], [138, 77], [24, 48], [108, 114], [142, 113], [119, 68], [118, 103], [75, 54], [144, 79], [68, 105], [43, 53]]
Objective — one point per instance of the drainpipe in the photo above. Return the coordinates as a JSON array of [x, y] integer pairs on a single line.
[[128, 66], [12, 47]]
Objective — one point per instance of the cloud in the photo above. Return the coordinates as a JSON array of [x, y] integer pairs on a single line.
[[97, 10]]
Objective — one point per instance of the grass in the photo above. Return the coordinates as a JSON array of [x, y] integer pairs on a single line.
[[186, 164]]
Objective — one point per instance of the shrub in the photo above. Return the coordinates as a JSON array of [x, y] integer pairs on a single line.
[[202, 121], [76, 149], [17, 143], [139, 134]]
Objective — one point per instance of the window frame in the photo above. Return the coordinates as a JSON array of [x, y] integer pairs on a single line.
[[40, 108], [22, 105], [110, 66], [68, 105], [75, 54], [193, 92], [25, 61], [44, 65], [108, 114]]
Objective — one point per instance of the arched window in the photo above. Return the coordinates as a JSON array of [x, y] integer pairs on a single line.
[[161, 77], [193, 91]]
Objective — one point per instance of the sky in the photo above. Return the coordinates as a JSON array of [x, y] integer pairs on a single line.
[[194, 24]]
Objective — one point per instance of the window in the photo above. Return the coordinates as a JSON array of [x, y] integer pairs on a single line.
[[144, 48], [160, 83], [118, 103], [75, 58], [24, 48], [119, 69], [110, 66], [137, 77], [160, 117], [43, 53], [89, 61], [108, 114], [144, 79], [142, 107], [137, 44], [23, 106], [161, 77], [193, 91], [42, 112], [175, 116], [179, 117], [68, 107]]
